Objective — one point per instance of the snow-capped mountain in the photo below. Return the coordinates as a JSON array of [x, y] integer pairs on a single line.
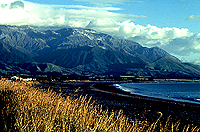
[[84, 50]]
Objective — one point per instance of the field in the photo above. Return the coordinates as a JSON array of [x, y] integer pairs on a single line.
[[26, 108]]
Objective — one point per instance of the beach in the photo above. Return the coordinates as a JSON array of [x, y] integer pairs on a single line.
[[135, 107]]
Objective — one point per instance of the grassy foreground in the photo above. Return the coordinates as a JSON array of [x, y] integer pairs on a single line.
[[25, 108]]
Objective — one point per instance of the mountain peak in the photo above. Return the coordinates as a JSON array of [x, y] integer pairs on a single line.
[[87, 51]]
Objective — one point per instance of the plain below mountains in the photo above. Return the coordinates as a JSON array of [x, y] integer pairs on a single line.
[[24, 49]]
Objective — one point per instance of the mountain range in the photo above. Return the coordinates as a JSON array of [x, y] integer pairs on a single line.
[[24, 49]]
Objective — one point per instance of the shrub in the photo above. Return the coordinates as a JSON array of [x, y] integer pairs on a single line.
[[25, 108]]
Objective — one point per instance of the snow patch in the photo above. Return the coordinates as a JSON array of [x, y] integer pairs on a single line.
[[88, 36], [102, 47], [91, 46], [100, 39]]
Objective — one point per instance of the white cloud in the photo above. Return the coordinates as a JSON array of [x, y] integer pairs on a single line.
[[85, 7], [177, 41], [106, 1], [197, 61], [192, 17], [23, 12], [129, 30], [184, 45]]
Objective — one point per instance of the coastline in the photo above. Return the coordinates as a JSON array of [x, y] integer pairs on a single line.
[[134, 106], [141, 107]]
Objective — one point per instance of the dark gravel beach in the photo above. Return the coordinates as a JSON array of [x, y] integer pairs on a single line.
[[134, 106]]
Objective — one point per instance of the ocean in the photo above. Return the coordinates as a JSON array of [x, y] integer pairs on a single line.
[[177, 91]]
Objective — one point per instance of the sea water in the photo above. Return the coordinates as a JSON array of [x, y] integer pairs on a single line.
[[177, 91]]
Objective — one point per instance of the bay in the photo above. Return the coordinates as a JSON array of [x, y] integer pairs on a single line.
[[177, 91]]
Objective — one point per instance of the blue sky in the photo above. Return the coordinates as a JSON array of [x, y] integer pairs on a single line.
[[161, 13], [172, 25]]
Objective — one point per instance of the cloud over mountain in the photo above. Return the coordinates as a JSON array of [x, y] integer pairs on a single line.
[[104, 19], [177, 41]]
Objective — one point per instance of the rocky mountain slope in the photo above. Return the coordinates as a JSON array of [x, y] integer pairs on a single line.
[[10, 54], [169, 67], [14, 61], [85, 51]]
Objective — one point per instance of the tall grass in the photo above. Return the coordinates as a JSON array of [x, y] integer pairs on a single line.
[[25, 108]]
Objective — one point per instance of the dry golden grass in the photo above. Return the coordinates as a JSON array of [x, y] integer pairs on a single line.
[[25, 108]]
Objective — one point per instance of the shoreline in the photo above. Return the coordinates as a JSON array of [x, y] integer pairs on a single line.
[[134, 106], [148, 107], [131, 95]]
